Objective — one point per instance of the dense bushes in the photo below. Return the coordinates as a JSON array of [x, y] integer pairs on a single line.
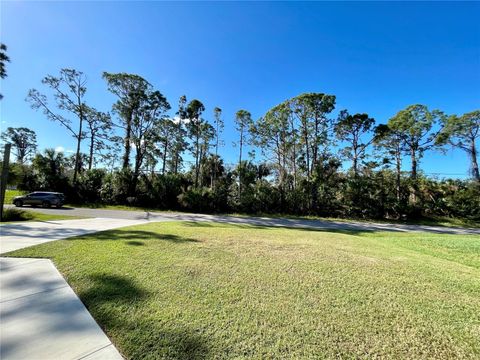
[[330, 192], [13, 214], [371, 195]]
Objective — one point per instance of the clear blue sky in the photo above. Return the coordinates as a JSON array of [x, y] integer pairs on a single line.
[[375, 57]]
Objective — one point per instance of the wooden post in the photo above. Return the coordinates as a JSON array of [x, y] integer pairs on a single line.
[[4, 179]]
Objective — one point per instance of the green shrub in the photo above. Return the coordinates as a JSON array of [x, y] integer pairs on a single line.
[[198, 200], [12, 214]]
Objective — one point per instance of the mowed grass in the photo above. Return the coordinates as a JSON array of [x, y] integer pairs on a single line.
[[200, 290]]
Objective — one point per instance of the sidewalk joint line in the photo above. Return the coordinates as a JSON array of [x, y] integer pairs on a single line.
[[93, 352]]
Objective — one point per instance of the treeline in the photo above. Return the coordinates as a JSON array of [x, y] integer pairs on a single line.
[[137, 155]]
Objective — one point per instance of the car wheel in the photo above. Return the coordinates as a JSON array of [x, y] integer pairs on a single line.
[[18, 203], [46, 204]]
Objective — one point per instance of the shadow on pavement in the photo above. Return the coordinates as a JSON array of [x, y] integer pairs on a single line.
[[40, 306]]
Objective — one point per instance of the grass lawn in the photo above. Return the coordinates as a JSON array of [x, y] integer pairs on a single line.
[[184, 290], [10, 194]]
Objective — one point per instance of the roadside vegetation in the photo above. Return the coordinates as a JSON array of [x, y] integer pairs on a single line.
[[424, 220], [302, 157], [11, 194], [196, 290]]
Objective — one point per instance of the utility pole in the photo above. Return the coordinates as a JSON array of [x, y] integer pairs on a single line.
[[4, 179]]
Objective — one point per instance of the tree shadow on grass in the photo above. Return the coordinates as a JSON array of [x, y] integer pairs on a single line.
[[121, 308], [112, 289], [135, 243], [204, 224], [134, 237]]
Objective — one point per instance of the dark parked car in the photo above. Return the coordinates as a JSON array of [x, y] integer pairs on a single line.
[[40, 198]]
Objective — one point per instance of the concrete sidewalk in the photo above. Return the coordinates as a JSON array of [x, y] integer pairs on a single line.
[[41, 317]]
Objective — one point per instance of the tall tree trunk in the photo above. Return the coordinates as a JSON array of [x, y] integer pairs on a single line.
[[197, 153], [307, 153], [413, 175], [281, 169], [164, 156], [473, 154], [398, 165], [355, 147], [239, 168], [215, 166], [200, 159], [79, 140], [355, 164], [176, 159], [128, 135], [413, 157], [136, 171], [294, 166], [315, 147], [21, 151], [177, 147], [90, 159]]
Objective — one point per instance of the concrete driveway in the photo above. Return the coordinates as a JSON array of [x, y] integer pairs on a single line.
[[20, 235], [41, 317], [258, 221]]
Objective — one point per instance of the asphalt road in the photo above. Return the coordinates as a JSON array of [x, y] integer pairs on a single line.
[[256, 221]]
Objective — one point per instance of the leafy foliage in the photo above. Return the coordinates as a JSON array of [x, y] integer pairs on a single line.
[[301, 170], [23, 140], [463, 132], [3, 63]]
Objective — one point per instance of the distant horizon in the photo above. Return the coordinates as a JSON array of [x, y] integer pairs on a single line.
[[376, 58]]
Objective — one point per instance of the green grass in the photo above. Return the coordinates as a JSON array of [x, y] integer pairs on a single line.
[[10, 194], [14, 215], [188, 290]]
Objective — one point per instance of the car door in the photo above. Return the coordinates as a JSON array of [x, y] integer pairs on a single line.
[[29, 199], [36, 199]]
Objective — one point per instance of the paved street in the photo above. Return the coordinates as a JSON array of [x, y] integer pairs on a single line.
[[258, 221]]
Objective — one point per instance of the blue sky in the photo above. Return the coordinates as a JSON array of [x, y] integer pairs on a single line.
[[375, 57]]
